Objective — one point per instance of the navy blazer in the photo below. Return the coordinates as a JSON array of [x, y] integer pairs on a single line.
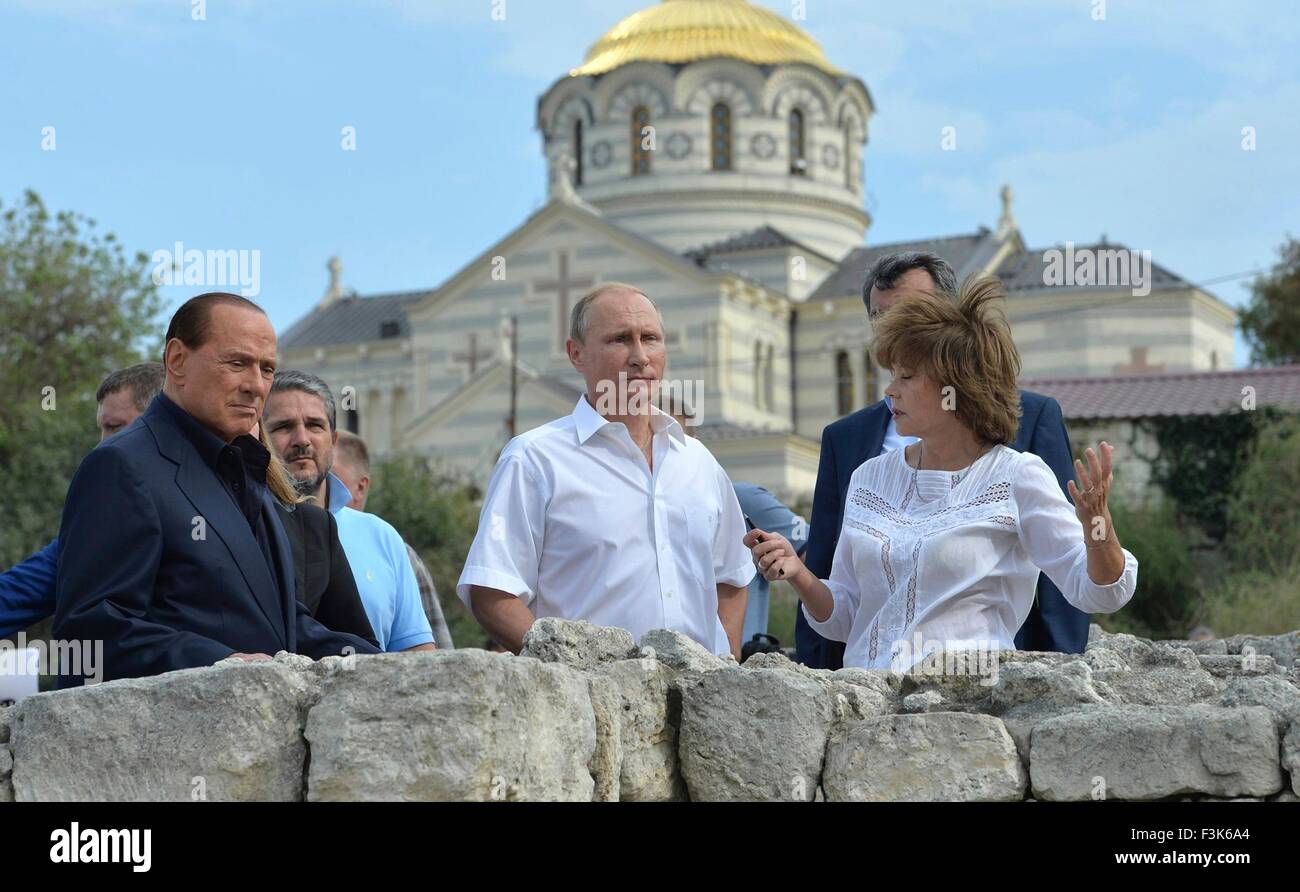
[[158, 563], [1053, 624]]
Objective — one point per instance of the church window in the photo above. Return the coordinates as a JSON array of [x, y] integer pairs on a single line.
[[640, 136], [350, 421], [577, 152], [720, 136], [798, 144], [848, 160], [769, 380], [872, 384], [843, 383], [758, 374]]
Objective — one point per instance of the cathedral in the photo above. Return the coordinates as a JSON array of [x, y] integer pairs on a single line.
[[710, 153]]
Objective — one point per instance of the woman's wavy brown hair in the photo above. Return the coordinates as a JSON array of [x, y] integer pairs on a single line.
[[965, 344]]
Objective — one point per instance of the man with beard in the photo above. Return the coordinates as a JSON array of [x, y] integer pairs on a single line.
[[300, 420]]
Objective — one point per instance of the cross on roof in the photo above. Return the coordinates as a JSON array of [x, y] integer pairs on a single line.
[[1138, 363], [468, 360], [563, 286]]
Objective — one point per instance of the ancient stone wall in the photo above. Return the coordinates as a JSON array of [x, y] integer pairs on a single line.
[[585, 714]]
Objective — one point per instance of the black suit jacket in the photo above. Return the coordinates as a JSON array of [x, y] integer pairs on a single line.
[[1053, 624], [324, 577], [158, 563]]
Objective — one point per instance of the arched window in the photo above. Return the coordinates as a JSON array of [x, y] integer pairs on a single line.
[[843, 383], [769, 383], [848, 158], [351, 422], [640, 151], [872, 384], [798, 157], [720, 136], [577, 152], [758, 374]]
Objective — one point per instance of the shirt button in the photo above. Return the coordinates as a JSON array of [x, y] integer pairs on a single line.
[[670, 593]]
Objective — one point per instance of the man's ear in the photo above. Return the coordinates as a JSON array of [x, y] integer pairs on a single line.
[[334, 438], [174, 356], [574, 350]]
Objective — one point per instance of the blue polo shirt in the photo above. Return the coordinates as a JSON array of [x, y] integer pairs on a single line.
[[382, 569]]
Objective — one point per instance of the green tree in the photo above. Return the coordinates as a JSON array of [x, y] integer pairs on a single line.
[[1271, 321], [75, 307], [1263, 512], [1169, 582]]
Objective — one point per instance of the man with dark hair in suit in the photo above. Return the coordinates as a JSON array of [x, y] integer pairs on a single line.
[[172, 553], [1053, 623]]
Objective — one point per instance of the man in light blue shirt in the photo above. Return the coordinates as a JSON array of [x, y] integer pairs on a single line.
[[299, 419]]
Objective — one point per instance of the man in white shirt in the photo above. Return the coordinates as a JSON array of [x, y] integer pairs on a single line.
[[611, 514]]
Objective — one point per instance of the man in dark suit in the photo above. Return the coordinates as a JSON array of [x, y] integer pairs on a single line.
[[172, 553], [1053, 623]]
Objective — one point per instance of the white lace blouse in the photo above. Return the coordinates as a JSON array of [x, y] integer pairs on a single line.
[[950, 559]]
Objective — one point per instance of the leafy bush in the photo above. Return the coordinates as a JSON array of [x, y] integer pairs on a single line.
[[1255, 602], [1169, 586], [1263, 512]]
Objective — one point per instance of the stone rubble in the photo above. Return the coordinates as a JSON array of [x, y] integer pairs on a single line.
[[585, 714]]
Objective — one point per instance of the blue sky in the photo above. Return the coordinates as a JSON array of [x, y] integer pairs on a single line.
[[225, 133]]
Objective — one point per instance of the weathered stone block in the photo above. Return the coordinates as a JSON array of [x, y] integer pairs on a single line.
[[575, 643], [607, 758], [233, 731], [1159, 687], [1155, 752], [649, 714], [749, 735], [1064, 684], [681, 652], [6, 759], [453, 725], [939, 757]]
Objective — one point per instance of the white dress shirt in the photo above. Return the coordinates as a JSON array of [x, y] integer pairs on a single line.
[[949, 560], [577, 526]]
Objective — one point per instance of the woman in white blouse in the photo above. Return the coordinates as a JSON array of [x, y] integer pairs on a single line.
[[942, 542]]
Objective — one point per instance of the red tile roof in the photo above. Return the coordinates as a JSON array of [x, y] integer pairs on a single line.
[[1176, 393]]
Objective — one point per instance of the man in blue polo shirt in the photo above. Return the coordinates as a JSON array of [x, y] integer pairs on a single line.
[[27, 589], [300, 420]]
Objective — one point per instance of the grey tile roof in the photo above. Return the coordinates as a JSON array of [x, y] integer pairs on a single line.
[[352, 320], [1024, 271], [754, 240], [1176, 393], [852, 272]]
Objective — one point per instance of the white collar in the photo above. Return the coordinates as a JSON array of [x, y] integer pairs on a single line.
[[587, 421]]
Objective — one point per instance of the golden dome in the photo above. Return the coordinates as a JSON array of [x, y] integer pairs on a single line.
[[687, 30]]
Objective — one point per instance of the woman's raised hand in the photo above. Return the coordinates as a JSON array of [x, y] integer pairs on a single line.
[[773, 554], [1091, 494]]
